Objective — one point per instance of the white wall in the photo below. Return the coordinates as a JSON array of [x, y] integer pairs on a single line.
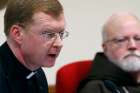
[[2, 36], [84, 22]]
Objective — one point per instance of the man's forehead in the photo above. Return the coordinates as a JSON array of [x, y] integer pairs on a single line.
[[122, 25]]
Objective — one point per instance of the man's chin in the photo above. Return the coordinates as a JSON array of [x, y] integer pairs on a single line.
[[130, 66], [49, 64]]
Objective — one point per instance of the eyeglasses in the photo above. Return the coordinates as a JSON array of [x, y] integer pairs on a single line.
[[51, 35], [124, 41]]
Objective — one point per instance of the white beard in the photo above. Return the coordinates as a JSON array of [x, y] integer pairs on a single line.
[[129, 62]]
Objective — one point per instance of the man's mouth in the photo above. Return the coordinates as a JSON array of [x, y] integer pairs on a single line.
[[52, 55], [132, 55]]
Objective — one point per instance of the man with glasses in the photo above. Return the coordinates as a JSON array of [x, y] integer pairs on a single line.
[[34, 30], [117, 68]]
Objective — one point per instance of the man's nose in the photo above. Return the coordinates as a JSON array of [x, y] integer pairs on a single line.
[[132, 44], [58, 41]]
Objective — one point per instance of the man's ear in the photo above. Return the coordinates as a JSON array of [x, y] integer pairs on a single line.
[[104, 47], [16, 33]]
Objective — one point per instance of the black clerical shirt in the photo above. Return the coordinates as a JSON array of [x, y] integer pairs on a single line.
[[13, 75]]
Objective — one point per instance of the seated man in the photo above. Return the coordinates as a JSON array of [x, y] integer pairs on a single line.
[[117, 69]]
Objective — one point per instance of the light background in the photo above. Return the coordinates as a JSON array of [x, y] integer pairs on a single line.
[[84, 22]]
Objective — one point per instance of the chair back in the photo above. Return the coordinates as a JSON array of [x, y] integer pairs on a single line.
[[69, 76]]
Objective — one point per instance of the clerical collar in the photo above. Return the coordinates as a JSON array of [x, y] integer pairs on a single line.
[[30, 75]]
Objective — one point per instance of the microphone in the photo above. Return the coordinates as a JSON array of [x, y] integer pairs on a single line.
[[111, 86]]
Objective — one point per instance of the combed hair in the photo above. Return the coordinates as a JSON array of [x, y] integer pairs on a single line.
[[21, 11]]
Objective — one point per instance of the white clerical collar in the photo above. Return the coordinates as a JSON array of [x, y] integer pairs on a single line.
[[30, 75]]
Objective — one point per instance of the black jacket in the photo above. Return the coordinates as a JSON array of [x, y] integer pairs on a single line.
[[105, 77], [13, 75]]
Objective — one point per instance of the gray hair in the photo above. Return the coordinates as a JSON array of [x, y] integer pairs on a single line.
[[115, 19]]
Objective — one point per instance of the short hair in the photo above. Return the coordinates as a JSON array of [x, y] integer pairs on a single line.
[[115, 19], [3, 3], [104, 34], [21, 11]]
